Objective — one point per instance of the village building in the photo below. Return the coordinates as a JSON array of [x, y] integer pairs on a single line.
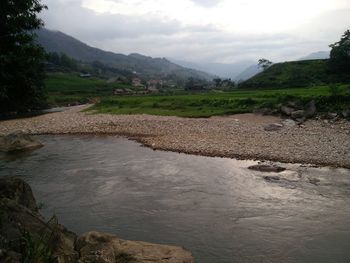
[[155, 83], [136, 82]]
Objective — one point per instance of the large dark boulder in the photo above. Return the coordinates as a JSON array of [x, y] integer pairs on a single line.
[[18, 191], [20, 221], [18, 141]]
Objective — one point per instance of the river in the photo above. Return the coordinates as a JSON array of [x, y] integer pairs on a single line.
[[215, 207]]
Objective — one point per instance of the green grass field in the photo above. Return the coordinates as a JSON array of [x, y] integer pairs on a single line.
[[213, 103], [64, 89]]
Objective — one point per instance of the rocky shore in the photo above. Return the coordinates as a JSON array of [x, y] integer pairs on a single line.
[[25, 236], [245, 136]]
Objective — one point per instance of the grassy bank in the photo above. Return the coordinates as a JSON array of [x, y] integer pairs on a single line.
[[213, 103], [305, 73]]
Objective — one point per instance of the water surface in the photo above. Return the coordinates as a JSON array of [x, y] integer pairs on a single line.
[[215, 207]]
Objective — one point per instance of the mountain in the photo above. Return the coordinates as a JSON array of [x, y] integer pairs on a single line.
[[221, 70], [316, 55], [148, 67]]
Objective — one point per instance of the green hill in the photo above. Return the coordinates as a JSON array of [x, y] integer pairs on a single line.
[[295, 74]]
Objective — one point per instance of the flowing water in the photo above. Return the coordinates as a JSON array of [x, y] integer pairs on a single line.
[[215, 207]]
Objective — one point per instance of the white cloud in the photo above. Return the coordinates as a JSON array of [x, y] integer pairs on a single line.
[[198, 30]]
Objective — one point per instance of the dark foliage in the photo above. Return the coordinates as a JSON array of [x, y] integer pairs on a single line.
[[340, 54], [21, 69]]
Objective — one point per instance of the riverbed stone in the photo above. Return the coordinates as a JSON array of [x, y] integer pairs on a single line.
[[289, 123], [298, 114], [287, 110], [346, 113], [314, 181], [18, 141], [271, 178], [273, 127], [267, 168]]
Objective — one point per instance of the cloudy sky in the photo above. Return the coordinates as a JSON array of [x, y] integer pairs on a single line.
[[225, 31]]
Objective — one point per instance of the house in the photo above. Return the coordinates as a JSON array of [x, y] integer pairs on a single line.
[[136, 82], [152, 90], [155, 83]]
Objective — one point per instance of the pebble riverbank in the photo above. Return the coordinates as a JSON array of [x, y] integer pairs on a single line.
[[242, 136]]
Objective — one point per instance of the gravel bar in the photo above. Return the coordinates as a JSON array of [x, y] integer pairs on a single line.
[[241, 136]]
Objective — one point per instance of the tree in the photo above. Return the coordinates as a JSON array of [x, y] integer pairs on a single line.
[[21, 68], [339, 60], [264, 63]]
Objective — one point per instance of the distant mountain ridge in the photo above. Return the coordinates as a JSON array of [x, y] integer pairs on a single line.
[[56, 41]]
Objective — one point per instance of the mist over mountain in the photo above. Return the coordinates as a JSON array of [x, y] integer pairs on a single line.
[[56, 41], [248, 73], [222, 70], [316, 55]]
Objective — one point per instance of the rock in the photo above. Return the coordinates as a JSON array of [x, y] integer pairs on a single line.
[[271, 178], [287, 110], [8, 256], [289, 123], [267, 168], [298, 114], [310, 109], [273, 127], [20, 217], [18, 141], [332, 115], [107, 248], [16, 219], [293, 104], [314, 181], [264, 111], [19, 191], [300, 121], [346, 113]]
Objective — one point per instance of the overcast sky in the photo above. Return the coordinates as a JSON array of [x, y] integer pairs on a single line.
[[224, 31]]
